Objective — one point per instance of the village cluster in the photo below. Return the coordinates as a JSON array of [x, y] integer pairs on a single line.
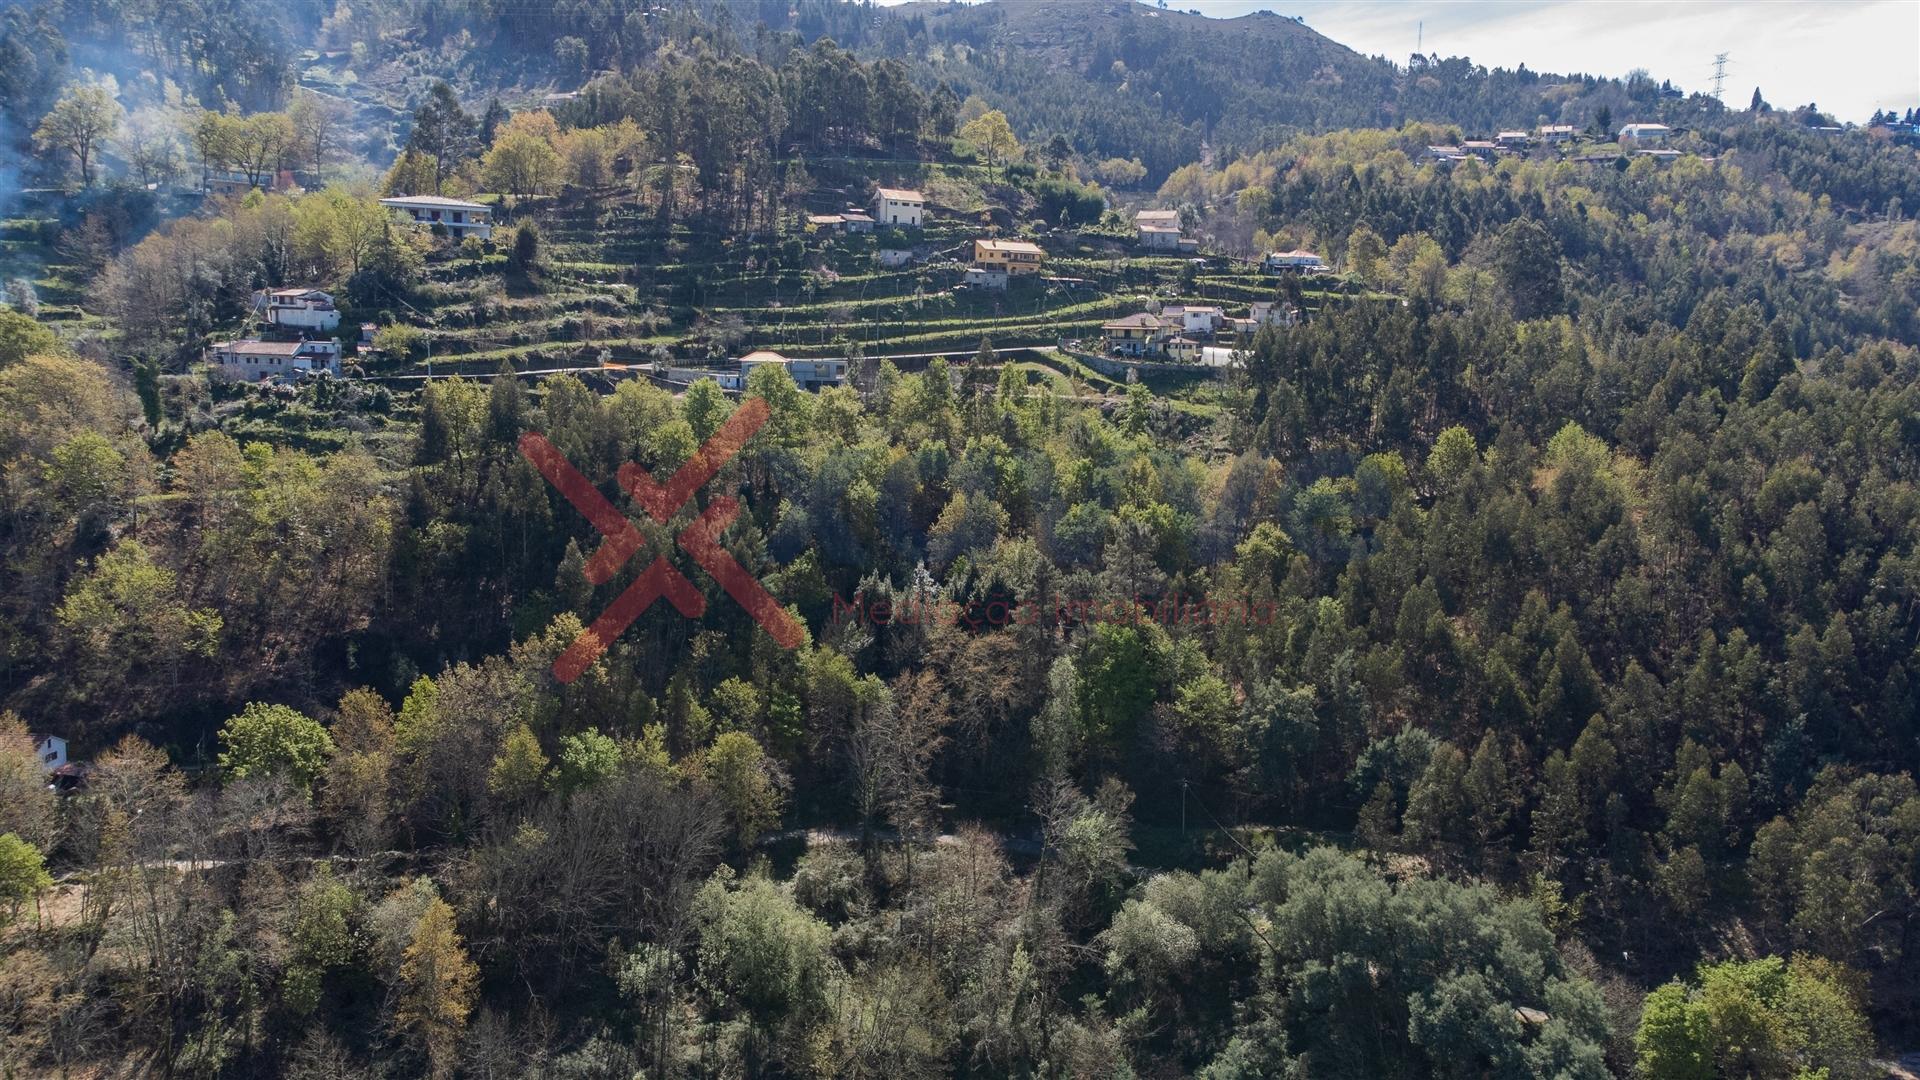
[[294, 332]]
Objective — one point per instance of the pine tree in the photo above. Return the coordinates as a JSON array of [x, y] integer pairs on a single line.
[[1488, 797], [437, 986]]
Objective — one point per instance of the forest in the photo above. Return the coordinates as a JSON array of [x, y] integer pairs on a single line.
[[1510, 668]]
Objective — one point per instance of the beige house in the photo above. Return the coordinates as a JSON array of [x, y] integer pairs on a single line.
[[902, 207], [1011, 256], [1135, 335]]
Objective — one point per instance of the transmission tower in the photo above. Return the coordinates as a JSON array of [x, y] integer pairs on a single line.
[[1719, 74]]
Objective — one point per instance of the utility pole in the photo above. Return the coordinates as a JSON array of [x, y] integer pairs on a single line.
[[1719, 74]]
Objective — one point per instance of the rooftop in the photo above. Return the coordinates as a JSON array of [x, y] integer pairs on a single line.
[[1144, 320], [434, 202], [261, 348], [900, 194], [763, 356], [1012, 246]]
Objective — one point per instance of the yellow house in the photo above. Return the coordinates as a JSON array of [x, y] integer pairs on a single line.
[[1012, 256]]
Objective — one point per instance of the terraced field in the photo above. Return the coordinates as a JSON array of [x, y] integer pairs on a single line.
[[615, 286]]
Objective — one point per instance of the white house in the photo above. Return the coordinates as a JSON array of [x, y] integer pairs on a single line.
[[893, 258], [981, 277], [806, 374], [1513, 140], [1270, 311], [251, 360], [1298, 261], [1645, 133], [903, 207], [1158, 230], [300, 309], [51, 750], [1445, 153], [1556, 133], [460, 218], [1202, 321]]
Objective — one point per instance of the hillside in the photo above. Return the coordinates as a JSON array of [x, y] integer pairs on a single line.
[[1122, 78], [711, 540]]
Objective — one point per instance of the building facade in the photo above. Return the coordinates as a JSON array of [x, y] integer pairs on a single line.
[[251, 360], [899, 207], [297, 309], [1009, 256], [49, 750], [1297, 261], [458, 217]]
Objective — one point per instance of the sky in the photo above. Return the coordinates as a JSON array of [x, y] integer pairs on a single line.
[[1850, 57]]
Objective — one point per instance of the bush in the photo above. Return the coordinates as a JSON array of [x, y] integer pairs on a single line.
[[401, 341], [526, 247]]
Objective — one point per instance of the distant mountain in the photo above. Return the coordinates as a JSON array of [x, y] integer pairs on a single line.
[[1123, 78], [1122, 75]]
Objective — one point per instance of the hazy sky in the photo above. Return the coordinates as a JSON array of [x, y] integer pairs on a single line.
[[1849, 57]]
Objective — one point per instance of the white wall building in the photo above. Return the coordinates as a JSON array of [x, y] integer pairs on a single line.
[[981, 277], [1195, 320], [460, 218], [252, 361], [1645, 133], [902, 207], [300, 309], [50, 749], [1298, 260], [806, 374], [1159, 230]]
